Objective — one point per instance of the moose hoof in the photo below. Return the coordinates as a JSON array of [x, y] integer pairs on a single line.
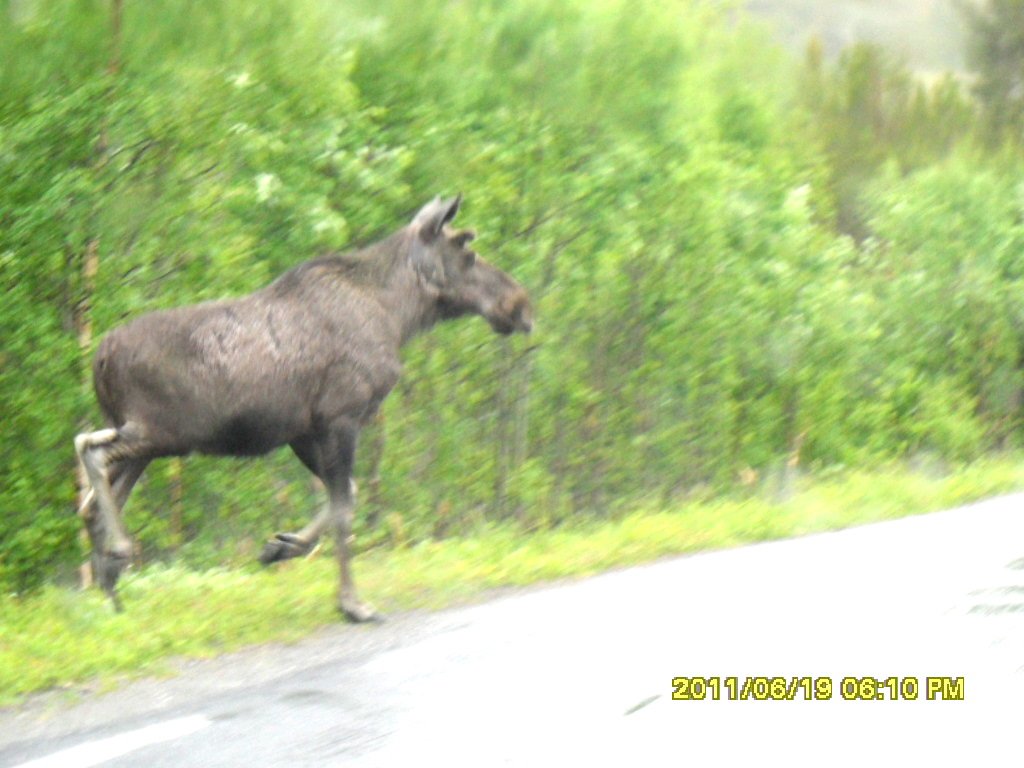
[[358, 612], [107, 569], [116, 600], [284, 546]]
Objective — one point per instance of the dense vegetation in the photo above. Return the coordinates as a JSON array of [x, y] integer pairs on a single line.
[[741, 263]]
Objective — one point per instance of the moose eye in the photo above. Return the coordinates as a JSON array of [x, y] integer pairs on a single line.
[[468, 259]]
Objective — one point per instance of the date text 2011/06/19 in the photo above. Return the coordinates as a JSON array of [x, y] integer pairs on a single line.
[[816, 688]]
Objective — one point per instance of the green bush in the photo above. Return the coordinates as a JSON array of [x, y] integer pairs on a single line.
[[665, 182]]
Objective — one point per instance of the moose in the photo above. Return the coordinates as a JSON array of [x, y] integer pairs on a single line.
[[304, 362]]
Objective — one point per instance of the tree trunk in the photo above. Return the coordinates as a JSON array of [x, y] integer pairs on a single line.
[[91, 259], [116, 25], [177, 506], [521, 413], [502, 435]]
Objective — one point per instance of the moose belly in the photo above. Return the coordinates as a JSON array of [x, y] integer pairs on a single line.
[[249, 433]]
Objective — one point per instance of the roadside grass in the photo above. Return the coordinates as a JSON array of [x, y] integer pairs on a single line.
[[66, 639]]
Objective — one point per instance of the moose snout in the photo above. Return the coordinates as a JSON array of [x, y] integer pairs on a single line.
[[523, 315], [514, 313]]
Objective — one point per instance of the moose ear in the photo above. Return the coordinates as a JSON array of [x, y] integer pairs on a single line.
[[434, 215]]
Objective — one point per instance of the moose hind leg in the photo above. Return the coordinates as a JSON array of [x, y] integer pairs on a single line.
[[93, 451], [106, 570], [98, 451]]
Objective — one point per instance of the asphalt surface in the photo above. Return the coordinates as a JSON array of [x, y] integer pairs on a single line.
[[581, 673]]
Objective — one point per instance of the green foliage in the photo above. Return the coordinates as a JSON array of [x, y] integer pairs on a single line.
[[952, 318], [673, 191], [33, 468], [867, 109]]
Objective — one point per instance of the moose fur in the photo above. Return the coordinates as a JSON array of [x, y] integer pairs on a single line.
[[303, 362]]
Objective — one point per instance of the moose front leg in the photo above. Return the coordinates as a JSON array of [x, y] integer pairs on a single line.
[[337, 454], [330, 457], [284, 546], [341, 506]]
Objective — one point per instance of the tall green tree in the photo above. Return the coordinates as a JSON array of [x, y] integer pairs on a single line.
[[995, 35], [867, 109]]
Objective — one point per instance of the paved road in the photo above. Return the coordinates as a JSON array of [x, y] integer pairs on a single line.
[[580, 673]]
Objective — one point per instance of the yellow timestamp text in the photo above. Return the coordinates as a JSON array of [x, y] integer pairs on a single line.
[[821, 688]]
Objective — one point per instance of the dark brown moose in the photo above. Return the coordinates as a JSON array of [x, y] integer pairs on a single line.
[[304, 362]]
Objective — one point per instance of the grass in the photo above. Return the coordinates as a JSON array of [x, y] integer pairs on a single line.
[[66, 639]]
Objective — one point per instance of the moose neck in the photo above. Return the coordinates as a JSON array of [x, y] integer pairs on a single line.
[[412, 304]]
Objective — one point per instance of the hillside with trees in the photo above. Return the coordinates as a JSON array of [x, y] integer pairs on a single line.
[[743, 261]]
